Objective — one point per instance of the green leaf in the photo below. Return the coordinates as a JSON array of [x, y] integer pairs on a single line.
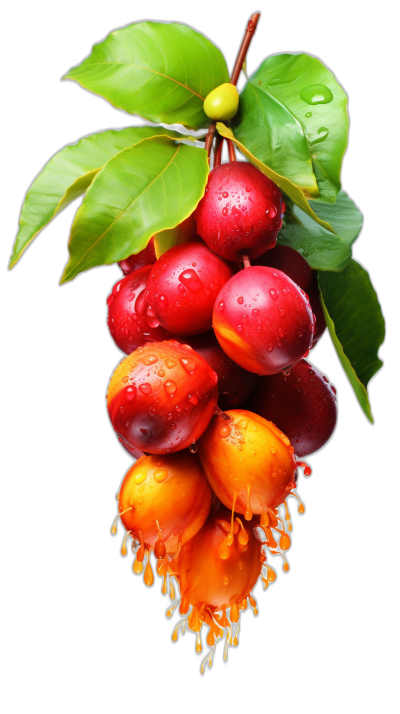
[[182, 233], [67, 176], [356, 325], [293, 109], [321, 249], [272, 134], [294, 193], [158, 70], [143, 190]]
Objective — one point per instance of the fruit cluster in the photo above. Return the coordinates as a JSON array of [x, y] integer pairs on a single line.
[[205, 331]]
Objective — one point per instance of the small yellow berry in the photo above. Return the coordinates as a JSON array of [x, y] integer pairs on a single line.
[[222, 103]]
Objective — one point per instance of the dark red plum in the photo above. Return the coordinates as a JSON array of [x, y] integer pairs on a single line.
[[302, 404], [147, 256], [263, 320], [290, 262], [315, 302], [128, 322], [235, 385], [183, 286]]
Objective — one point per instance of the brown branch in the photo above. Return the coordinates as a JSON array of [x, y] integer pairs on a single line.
[[209, 139], [250, 30], [218, 151], [231, 150]]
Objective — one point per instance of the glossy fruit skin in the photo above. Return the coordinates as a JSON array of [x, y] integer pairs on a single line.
[[263, 321], [222, 103], [247, 452], [206, 578], [302, 404], [235, 385], [161, 398], [147, 256], [183, 285], [129, 325], [290, 262], [241, 211], [315, 302], [171, 489]]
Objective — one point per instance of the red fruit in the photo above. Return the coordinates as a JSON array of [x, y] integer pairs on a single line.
[[182, 288], [263, 320], [145, 257], [241, 211], [235, 385], [302, 404], [161, 398], [290, 262], [127, 320], [164, 500], [315, 302]]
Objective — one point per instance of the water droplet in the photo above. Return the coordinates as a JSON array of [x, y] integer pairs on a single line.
[[285, 291], [140, 477], [308, 115], [125, 379], [189, 365], [130, 393], [161, 373], [274, 294], [322, 135], [282, 313], [181, 288], [255, 312], [191, 280], [145, 388], [221, 306], [149, 359], [170, 387], [224, 431], [161, 475], [162, 301], [170, 363], [240, 300], [316, 94], [193, 399]]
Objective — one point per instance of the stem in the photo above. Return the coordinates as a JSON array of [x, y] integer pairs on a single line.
[[250, 30], [209, 139], [218, 151], [246, 261], [231, 149]]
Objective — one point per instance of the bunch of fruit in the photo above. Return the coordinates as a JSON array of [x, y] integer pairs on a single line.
[[231, 276]]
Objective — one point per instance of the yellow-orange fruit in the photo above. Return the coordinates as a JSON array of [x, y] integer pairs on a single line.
[[164, 500], [216, 575], [248, 462]]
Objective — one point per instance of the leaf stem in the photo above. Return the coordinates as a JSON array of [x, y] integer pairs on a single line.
[[250, 30]]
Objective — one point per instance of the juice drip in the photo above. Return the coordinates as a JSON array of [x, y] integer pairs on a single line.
[[235, 639], [301, 507], [160, 550], [243, 537], [287, 518], [285, 563], [253, 603], [306, 467], [248, 513], [171, 589], [193, 448], [199, 646], [123, 546], [208, 659], [181, 623], [137, 566], [141, 551], [162, 571], [148, 572], [234, 613], [172, 608], [114, 526]]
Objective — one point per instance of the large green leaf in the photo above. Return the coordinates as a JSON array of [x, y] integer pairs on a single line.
[[272, 134], [293, 110], [293, 192], [68, 174], [143, 190], [321, 249], [356, 325], [161, 71]]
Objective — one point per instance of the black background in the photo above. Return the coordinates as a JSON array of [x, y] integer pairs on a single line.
[[76, 597]]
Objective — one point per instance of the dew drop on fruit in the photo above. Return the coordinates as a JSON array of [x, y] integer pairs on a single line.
[[170, 363], [221, 306], [170, 387], [140, 477], [161, 475], [224, 431], [240, 300], [145, 388], [130, 393], [189, 365], [274, 294], [149, 359], [193, 399], [191, 280]]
